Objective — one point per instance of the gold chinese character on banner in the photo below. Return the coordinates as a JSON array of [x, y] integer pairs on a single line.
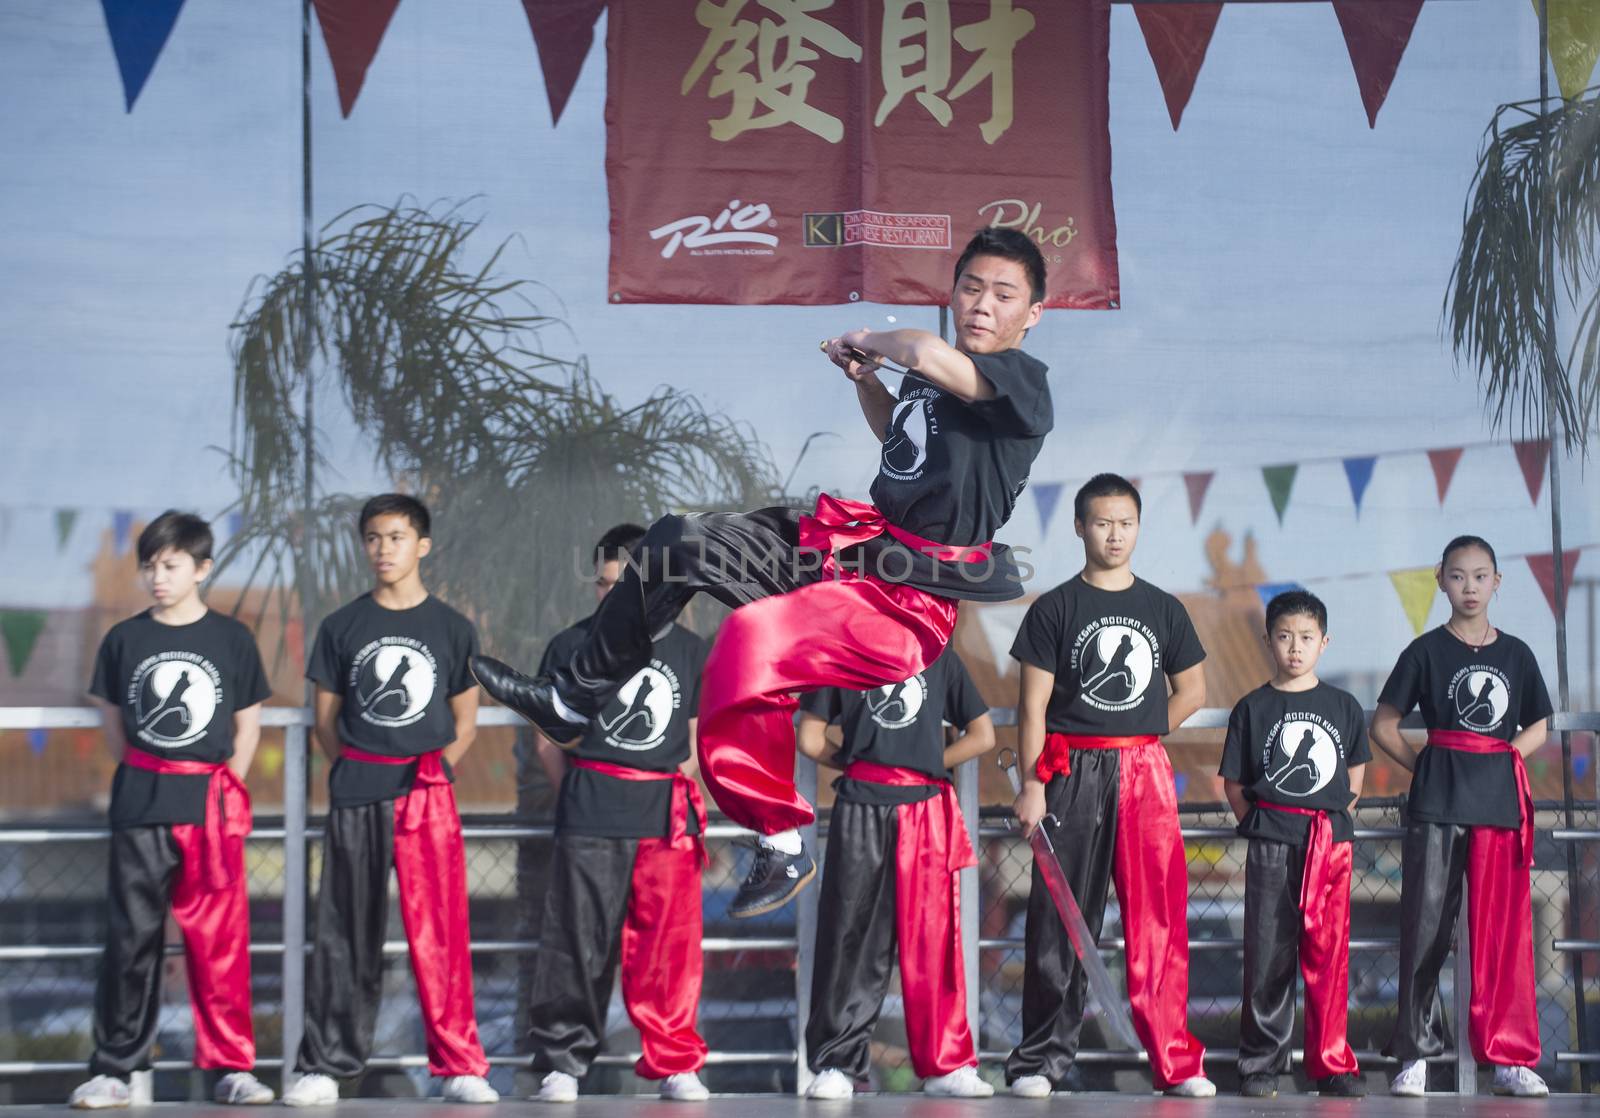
[[773, 75], [993, 40]]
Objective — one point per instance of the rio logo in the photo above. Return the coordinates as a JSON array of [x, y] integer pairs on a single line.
[[735, 225]]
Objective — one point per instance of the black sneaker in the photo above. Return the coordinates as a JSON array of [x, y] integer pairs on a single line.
[[1261, 1085], [534, 699], [774, 880], [1345, 1086]]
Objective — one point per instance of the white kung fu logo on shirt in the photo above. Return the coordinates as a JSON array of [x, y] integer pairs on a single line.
[[637, 717], [1116, 658], [174, 696], [1481, 696], [894, 706], [905, 443], [1301, 755], [393, 679]]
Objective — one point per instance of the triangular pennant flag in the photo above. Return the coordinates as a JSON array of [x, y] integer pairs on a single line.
[[139, 29], [1544, 572], [121, 530], [1177, 36], [1358, 471], [1047, 497], [563, 31], [1270, 590], [1532, 456], [1197, 484], [65, 519], [85, 743], [1133, 481], [352, 30], [235, 524], [1376, 35], [1416, 588], [270, 761], [1000, 625], [1280, 480], [20, 629], [37, 740], [1574, 42], [1444, 463]]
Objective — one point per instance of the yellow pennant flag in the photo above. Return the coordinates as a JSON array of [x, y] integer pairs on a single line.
[[270, 760], [1574, 42], [1416, 588]]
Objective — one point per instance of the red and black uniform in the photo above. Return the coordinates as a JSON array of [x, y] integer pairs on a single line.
[[1470, 814], [896, 842], [625, 879], [1292, 751], [178, 821], [1109, 782], [391, 804], [854, 596]]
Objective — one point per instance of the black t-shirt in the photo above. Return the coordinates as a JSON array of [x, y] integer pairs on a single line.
[[645, 725], [901, 725], [1295, 748], [1109, 650], [178, 687], [952, 471], [1495, 692], [396, 671]]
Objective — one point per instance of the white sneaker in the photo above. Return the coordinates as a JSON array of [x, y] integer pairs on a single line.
[[963, 1083], [1412, 1080], [312, 1090], [685, 1086], [831, 1085], [557, 1086], [468, 1088], [103, 1092], [241, 1088], [1195, 1087], [1031, 1087], [1524, 1083]]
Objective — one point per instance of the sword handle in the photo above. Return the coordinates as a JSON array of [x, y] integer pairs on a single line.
[[1007, 760]]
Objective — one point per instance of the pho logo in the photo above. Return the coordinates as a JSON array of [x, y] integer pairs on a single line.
[[735, 225]]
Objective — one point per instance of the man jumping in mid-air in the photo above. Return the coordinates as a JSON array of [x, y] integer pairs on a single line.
[[854, 596]]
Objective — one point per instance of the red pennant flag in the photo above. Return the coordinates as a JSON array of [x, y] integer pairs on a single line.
[[1133, 481], [352, 30], [1376, 33], [1197, 484], [1177, 36], [1544, 571], [1444, 463], [563, 31], [1532, 456]]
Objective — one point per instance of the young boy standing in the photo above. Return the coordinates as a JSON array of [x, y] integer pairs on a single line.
[[625, 878], [896, 844], [396, 706], [1094, 652], [180, 689], [1292, 766]]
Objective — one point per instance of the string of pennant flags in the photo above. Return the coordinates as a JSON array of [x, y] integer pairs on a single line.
[[1177, 36]]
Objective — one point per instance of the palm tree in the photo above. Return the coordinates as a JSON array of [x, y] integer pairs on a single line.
[[440, 369]]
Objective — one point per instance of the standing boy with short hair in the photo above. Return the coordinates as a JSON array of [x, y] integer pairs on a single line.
[[1094, 652], [1292, 766], [180, 689], [396, 706], [625, 876], [896, 845]]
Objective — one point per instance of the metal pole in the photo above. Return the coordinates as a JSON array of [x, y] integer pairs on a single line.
[[295, 757], [967, 795], [805, 929], [1466, 1066]]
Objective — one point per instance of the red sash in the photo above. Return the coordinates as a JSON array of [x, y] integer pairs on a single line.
[[1316, 880], [430, 777], [840, 523], [228, 816], [685, 794], [958, 849], [1466, 741], [1057, 755]]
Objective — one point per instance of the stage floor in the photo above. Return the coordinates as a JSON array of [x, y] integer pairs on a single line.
[[918, 1106]]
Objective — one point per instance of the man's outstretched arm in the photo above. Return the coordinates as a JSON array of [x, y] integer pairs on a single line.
[[933, 359]]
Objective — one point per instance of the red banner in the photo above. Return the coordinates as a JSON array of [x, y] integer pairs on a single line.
[[825, 151]]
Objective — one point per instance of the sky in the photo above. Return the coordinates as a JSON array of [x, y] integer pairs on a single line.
[[1283, 269]]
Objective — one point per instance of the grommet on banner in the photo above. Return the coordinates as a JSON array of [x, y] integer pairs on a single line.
[[616, 296], [855, 296]]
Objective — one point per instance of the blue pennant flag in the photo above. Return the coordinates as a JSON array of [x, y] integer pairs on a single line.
[[235, 523], [1048, 496], [1359, 472], [37, 739], [122, 529], [139, 29], [1270, 590]]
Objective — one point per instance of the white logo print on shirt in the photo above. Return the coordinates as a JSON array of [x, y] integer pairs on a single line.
[[174, 696], [394, 679]]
